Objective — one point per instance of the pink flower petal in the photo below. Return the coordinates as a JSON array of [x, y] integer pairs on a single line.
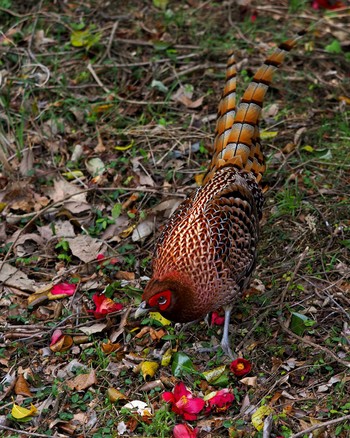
[[184, 431], [181, 390], [221, 401], [56, 336], [217, 319], [168, 397], [104, 306], [64, 289], [194, 405]]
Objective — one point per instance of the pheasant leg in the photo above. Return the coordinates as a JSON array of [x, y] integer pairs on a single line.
[[225, 341]]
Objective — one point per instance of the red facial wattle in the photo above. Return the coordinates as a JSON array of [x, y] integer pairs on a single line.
[[160, 300]]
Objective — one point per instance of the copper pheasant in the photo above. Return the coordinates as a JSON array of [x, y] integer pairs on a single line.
[[206, 253]]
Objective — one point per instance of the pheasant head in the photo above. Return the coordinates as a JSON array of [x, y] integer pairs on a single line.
[[173, 296]]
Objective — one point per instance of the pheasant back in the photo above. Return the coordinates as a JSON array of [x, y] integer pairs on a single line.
[[206, 253]]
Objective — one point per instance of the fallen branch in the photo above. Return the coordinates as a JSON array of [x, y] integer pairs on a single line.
[[319, 425]]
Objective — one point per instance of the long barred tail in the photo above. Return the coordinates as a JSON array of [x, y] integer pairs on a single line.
[[237, 140], [227, 108]]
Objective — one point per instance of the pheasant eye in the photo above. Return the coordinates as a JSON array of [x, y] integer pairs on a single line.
[[162, 300]]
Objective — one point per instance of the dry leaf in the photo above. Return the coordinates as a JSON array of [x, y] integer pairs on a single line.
[[250, 381], [21, 387], [86, 248], [13, 277], [143, 230], [63, 344], [109, 348], [125, 275], [95, 328], [82, 381], [115, 395]]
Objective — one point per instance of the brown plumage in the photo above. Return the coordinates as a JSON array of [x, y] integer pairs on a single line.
[[206, 253]]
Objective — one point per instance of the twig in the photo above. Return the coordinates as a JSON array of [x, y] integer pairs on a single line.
[[22, 432], [296, 269], [97, 79], [312, 344], [110, 41], [319, 425]]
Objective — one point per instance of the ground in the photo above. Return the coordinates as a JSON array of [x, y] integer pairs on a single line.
[[107, 122]]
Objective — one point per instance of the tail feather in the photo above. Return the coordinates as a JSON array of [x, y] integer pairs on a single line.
[[227, 107], [237, 140]]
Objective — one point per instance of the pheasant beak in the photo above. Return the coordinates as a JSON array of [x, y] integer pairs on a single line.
[[141, 310]]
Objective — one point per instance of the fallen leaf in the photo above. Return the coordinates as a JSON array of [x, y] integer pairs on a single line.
[[212, 375], [23, 413], [143, 230], [259, 416], [166, 358], [114, 395], [21, 387], [95, 166], [108, 347], [82, 381], [13, 277], [125, 275], [63, 344], [250, 381], [149, 369], [86, 248], [158, 317]]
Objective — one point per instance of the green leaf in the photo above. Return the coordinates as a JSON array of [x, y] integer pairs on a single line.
[[161, 4], [84, 38], [181, 364], [334, 47], [300, 323], [116, 210], [214, 374]]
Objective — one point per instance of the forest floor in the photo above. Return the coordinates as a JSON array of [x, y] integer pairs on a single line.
[[107, 120]]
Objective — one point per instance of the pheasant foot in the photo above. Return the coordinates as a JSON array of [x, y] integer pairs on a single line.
[[225, 341]]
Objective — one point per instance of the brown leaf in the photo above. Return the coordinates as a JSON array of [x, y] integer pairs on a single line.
[[115, 395], [63, 344], [83, 381], [125, 275], [12, 277], [109, 348], [21, 387], [85, 247]]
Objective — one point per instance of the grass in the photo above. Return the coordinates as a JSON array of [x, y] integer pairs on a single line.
[[75, 80]]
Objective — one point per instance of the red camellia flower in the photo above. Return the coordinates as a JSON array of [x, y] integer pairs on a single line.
[[327, 4], [240, 366], [64, 289], [104, 306], [217, 319], [183, 403], [220, 401], [184, 431]]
